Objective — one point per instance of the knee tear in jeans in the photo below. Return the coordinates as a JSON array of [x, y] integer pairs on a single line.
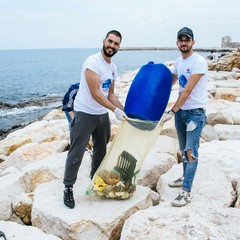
[[189, 155], [191, 126]]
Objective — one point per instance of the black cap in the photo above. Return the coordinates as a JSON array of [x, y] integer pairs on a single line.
[[185, 31]]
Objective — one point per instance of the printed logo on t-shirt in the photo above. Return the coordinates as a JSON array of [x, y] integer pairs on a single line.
[[182, 81], [106, 85]]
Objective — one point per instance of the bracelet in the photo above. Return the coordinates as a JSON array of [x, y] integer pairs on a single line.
[[173, 111], [170, 112]]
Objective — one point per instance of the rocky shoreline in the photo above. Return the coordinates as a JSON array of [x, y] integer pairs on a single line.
[[32, 161], [42, 102]]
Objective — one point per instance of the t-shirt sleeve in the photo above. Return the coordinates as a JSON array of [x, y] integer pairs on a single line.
[[174, 70], [93, 65], [115, 71], [200, 67]]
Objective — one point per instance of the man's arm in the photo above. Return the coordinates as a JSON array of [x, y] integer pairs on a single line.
[[174, 78], [93, 82], [113, 98]]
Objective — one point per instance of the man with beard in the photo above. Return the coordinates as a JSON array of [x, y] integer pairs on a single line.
[[189, 110], [95, 97]]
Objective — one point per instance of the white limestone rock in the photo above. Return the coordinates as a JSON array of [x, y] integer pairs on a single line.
[[56, 114], [211, 87], [53, 164], [224, 155], [154, 166], [10, 187], [225, 84], [182, 223], [14, 231], [222, 112], [165, 144], [128, 76], [160, 159], [37, 132], [209, 133], [221, 75], [22, 207], [227, 132], [92, 218], [33, 152], [169, 129], [237, 203], [230, 94]]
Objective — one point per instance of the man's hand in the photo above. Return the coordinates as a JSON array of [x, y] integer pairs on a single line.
[[120, 115], [168, 116]]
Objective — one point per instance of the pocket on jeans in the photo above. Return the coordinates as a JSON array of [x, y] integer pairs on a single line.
[[197, 112]]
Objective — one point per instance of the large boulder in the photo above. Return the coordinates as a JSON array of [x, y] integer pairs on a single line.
[[227, 62], [14, 231], [91, 219]]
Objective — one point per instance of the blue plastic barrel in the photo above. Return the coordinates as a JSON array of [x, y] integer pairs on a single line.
[[149, 92]]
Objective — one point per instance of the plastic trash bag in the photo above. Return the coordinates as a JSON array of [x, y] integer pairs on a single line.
[[116, 176]]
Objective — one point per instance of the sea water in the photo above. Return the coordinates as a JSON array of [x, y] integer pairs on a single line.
[[33, 82]]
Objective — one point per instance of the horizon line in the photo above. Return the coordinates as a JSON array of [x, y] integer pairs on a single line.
[[129, 48]]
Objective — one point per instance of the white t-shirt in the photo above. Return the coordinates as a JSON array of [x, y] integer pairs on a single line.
[[107, 73], [195, 64]]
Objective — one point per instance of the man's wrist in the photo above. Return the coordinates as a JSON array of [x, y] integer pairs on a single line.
[[171, 112]]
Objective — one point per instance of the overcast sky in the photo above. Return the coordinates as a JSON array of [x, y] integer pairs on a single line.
[[29, 24]]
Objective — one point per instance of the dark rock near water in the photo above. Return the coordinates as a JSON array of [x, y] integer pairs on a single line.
[[32, 102]]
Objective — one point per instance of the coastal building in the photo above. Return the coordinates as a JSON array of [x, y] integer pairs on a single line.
[[227, 43]]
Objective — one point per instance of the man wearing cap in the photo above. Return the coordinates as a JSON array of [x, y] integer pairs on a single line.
[[190, 71]]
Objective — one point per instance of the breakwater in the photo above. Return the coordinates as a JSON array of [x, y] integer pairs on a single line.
[[174, 48]]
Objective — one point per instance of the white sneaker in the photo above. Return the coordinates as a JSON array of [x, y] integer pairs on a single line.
[[181, 200], [177, 183]]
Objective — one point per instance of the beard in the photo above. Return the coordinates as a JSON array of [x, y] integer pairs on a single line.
[[109, 54], [185, 49]]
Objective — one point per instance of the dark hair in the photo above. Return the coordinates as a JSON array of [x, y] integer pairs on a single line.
[[116, 33]]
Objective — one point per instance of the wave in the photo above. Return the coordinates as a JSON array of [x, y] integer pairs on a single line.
[[13, 111], [38, 102]]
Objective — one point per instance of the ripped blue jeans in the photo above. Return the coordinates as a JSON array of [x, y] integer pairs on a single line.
[[189, 125]]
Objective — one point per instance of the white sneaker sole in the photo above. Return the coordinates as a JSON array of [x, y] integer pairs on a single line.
[[174, 204], [175, 185]]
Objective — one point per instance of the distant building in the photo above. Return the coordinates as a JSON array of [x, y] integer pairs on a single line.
[[227, 43]]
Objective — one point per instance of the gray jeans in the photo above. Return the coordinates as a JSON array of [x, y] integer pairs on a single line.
[[82, 127]]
